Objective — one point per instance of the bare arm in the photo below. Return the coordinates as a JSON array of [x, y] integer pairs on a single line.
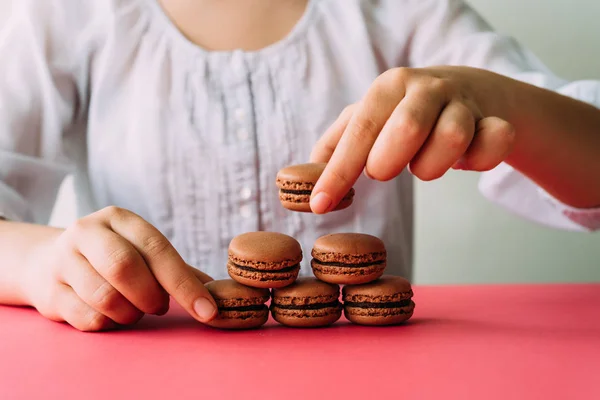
[[17, 247], [557, 141]]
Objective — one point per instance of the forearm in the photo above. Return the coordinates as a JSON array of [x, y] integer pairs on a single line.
[[557, 140], [18, 244]]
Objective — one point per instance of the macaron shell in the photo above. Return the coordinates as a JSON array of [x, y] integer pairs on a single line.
[[349, 248], [307, 290], [265, 250], [262, 279], [387, 288], [240, 319], [347, 275], [379, 316], [306, 318], [300, 176], [229, 293]]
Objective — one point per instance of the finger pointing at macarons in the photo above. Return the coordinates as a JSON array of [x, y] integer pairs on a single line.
[[429, 119]]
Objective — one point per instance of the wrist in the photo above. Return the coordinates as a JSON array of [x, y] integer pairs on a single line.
[[36, 243]]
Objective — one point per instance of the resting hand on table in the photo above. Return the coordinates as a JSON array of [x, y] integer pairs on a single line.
[[109, 268], [428, 119]]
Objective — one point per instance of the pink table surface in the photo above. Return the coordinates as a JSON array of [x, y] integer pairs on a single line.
[[474, 342]]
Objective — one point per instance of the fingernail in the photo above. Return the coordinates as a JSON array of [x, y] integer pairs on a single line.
[[461, 165], [320, 203], [204, 309]]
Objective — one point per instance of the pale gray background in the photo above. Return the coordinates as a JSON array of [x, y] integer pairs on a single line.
[[460, 237]]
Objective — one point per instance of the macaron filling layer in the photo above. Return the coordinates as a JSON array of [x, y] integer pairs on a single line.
[[275, 271], [397, 304], [316, 306], [301, 192], [303, 196], [348, 265], [256, 307]]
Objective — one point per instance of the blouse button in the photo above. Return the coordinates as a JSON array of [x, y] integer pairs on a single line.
[[242, 134], [245, 193], [240, 114], [245, 212]]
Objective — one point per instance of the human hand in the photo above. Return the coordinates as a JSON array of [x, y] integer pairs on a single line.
[[430, 120], [110, 268]]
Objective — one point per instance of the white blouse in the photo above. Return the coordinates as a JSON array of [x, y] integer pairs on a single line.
[[191, 140]]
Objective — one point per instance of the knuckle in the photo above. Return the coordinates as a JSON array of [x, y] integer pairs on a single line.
[[409, 127], [507, 130], [106, 297], [396, 76], [455, 135], [365, 128], [120, 262], [113, 212], [77, 228], [156, 246], [340, 177], [439, 85], [183, 282]]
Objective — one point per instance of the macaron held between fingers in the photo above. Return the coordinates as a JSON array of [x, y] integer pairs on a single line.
[[296, 183], [348, 258], [240, 307], [264, 259], [307, 303], [386, 301]]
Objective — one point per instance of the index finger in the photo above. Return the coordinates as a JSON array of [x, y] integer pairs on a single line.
[[165, 263], [352, 151], [325, 146]]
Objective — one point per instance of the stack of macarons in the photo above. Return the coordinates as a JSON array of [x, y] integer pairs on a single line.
[[264, 266]]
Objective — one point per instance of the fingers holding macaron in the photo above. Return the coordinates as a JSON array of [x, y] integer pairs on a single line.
[[427, 119]]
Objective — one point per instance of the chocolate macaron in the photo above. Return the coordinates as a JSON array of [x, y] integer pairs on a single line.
[[240, 307], [296, 183], [264, 259], [307, 303], [386, 301], [348, 258]]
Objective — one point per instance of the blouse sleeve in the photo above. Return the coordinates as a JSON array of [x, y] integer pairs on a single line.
[[42, 97], [449, 32]]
